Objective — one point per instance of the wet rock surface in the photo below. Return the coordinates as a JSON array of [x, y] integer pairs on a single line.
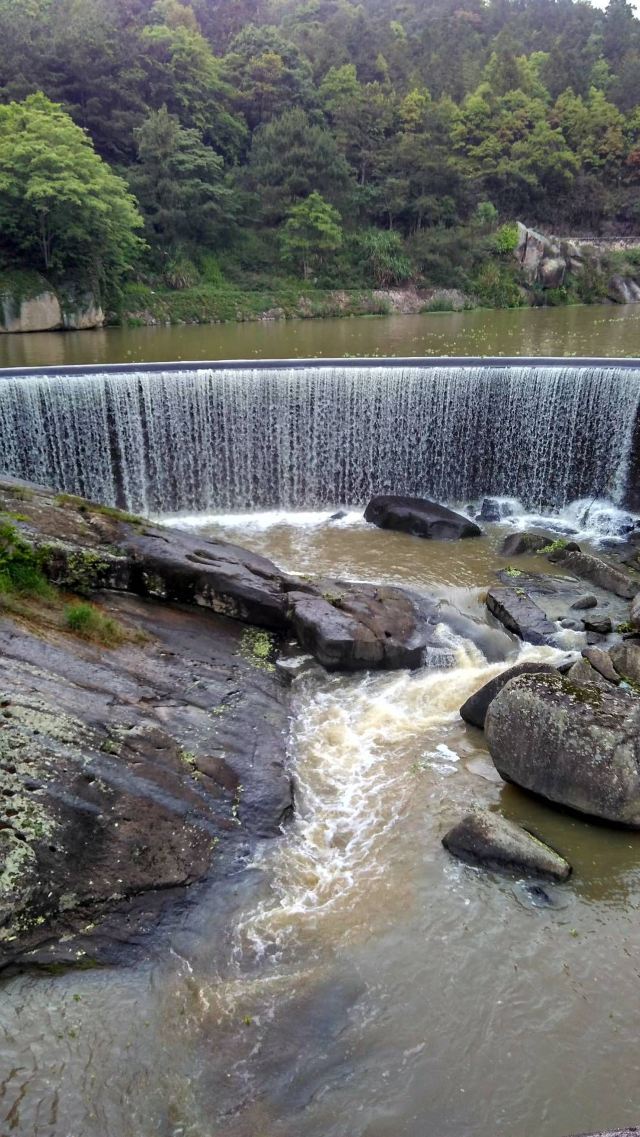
[[87, 547], [474, 710], [516, 544], [488, 839], [520, 614], [419, 517], [137, 769], [572, 743], [599, 572]]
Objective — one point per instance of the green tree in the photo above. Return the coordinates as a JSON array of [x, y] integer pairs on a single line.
[[289, 159], [311, 232], [180, 184], [61, 207]]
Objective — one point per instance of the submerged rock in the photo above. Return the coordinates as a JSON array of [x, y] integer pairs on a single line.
[[488, 839], [572, 744], [419, 517], [475, 709], [583, 603]]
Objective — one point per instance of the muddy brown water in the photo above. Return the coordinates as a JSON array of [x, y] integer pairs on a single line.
[[354, 980], [600, 330]]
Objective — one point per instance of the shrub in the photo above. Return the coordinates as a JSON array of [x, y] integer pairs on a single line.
[[496, 287], [20, 569], [384, 257], [506, 239]]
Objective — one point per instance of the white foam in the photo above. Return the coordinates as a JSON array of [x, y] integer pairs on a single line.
[[261, 521]]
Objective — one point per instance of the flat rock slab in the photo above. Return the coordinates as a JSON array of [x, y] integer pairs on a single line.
[[419, 517], [520, 614], [488, 839], [130, 770], [570, 742], [87, 547], [599, 572]]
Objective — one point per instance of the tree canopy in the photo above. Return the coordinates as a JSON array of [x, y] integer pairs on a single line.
[[60, 204], [223, 118]]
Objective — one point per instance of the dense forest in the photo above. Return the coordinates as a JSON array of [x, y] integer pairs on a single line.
[[340, 143]]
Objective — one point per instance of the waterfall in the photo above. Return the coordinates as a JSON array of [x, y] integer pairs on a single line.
[[240, 437]]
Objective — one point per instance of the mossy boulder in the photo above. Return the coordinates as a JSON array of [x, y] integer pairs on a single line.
[[573, 744]]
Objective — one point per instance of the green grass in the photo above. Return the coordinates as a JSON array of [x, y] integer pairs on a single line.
[[89, 623]]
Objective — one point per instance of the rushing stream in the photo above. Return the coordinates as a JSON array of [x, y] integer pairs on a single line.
[[357, 981]]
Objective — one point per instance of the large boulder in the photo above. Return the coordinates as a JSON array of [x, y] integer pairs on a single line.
[[40, 313], [351, 629], [518, 543], [474, 710], [515, 609], [552, 272], [625, 658], [420, 517], [575, 745], [488, 839]]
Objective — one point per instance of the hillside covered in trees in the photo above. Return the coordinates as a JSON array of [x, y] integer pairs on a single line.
[[190, 144]]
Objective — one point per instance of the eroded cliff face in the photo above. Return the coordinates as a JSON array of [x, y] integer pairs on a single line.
[[29, 303]]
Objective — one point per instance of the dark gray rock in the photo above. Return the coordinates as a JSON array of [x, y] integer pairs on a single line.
[[571, 625], [572, 744], [495, 509], [488, 839], [625, 658], [583, 674], [605, 576], [598, 623], [603, 663], [585, 602], [365, 627], [85, 547], [474, 710], [634, 613], [420, 517], [518, 543], [130, 771], [520, 614]]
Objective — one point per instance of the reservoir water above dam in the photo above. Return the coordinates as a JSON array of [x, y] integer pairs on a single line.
[[596, 330]]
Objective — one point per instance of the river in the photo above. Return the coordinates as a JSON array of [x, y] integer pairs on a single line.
[[356, 981], [599, 330]]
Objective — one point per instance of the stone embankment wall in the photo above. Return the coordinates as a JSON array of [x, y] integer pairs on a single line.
[[548, 261]]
